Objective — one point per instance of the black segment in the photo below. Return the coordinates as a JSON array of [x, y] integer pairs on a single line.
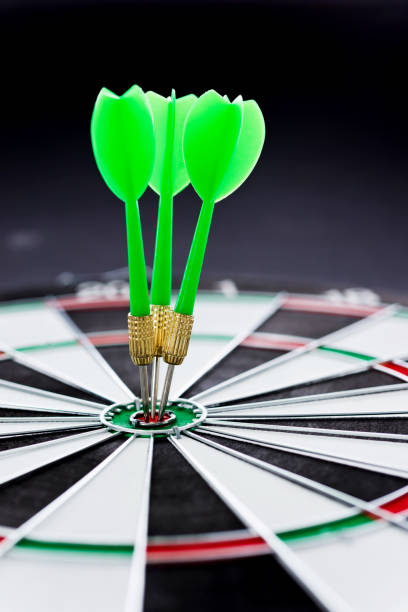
[[25, 496], [7, 443], [369, 378], [398, 425], [307, 324], [119, 360], [239, 585], [364, 484], [233, 364], [17, 373], [100, 320], [181, 502]]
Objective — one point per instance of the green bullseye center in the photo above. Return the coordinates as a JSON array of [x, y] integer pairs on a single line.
[[187, 415]]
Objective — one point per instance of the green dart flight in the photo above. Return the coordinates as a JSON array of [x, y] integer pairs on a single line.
[[123, 142], [221, 144], [169, 177]]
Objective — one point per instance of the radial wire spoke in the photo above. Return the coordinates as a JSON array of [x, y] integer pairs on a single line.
[[388, 457]]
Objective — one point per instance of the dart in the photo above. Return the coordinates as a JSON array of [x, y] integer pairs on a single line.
[[123, 142], [222, 142], [169, 177]]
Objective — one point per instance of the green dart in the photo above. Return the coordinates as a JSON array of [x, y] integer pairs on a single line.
[[222, 142], [123, 142], [169, 177]]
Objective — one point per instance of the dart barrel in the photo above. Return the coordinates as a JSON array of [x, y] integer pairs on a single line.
[[141, 339], [160, 316], [177, 339]]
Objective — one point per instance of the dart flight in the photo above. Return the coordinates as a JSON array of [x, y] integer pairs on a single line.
[[123, 141], [222, 143]]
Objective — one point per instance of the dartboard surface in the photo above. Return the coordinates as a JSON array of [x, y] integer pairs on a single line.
[[282, 479]]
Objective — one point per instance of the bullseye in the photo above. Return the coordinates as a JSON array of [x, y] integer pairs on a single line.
[[130, 418]]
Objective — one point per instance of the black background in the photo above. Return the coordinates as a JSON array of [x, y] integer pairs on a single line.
[[326, 205]]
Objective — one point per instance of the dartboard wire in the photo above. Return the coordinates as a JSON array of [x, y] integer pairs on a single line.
[[325, 490], [77, 442], [23, 530], [95, 354], [136, 585], [276, 304], [50, 419], [45, 427], [350, 393], [21, 359], [299, 450], [346, 433], [94, 407], [384, 313], [315, 587]]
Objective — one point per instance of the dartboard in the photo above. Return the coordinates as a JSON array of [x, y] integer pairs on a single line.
[[281, 484]]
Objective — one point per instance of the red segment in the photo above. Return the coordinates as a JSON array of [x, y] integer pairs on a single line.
[[196, 551], [323, 306], [396, 367], [155, 419], [255, 341], [75, 303], [106, 339], [397, 505]]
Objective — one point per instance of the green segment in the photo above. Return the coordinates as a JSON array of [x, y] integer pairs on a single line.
[[22, 306], [35, 347], [70, 547], [124, 147], [184, 416], [347, 353], [325, 528], [402, 313], [222, 143]]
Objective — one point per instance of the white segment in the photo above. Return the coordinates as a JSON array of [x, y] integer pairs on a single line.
[[304, 368], [201, 351], [63, 581], [19, 461], [32, 324], [389, 401], [220, 315], [366, 568], [278, 503], [33, 426], [105, 510], [232, 319], [17, 396], [75, 365], [376, 455]]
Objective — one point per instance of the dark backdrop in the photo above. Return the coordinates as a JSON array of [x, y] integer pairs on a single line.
[[327, 202]]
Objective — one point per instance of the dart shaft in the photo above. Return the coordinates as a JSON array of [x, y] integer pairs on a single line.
[[144, 388], [155, 385], [162, 264], [139, 295], [166, 391], [191, 277]]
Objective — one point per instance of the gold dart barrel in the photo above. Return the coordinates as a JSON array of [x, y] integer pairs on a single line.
[[160, 316], [177, 339], [141, 339]]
